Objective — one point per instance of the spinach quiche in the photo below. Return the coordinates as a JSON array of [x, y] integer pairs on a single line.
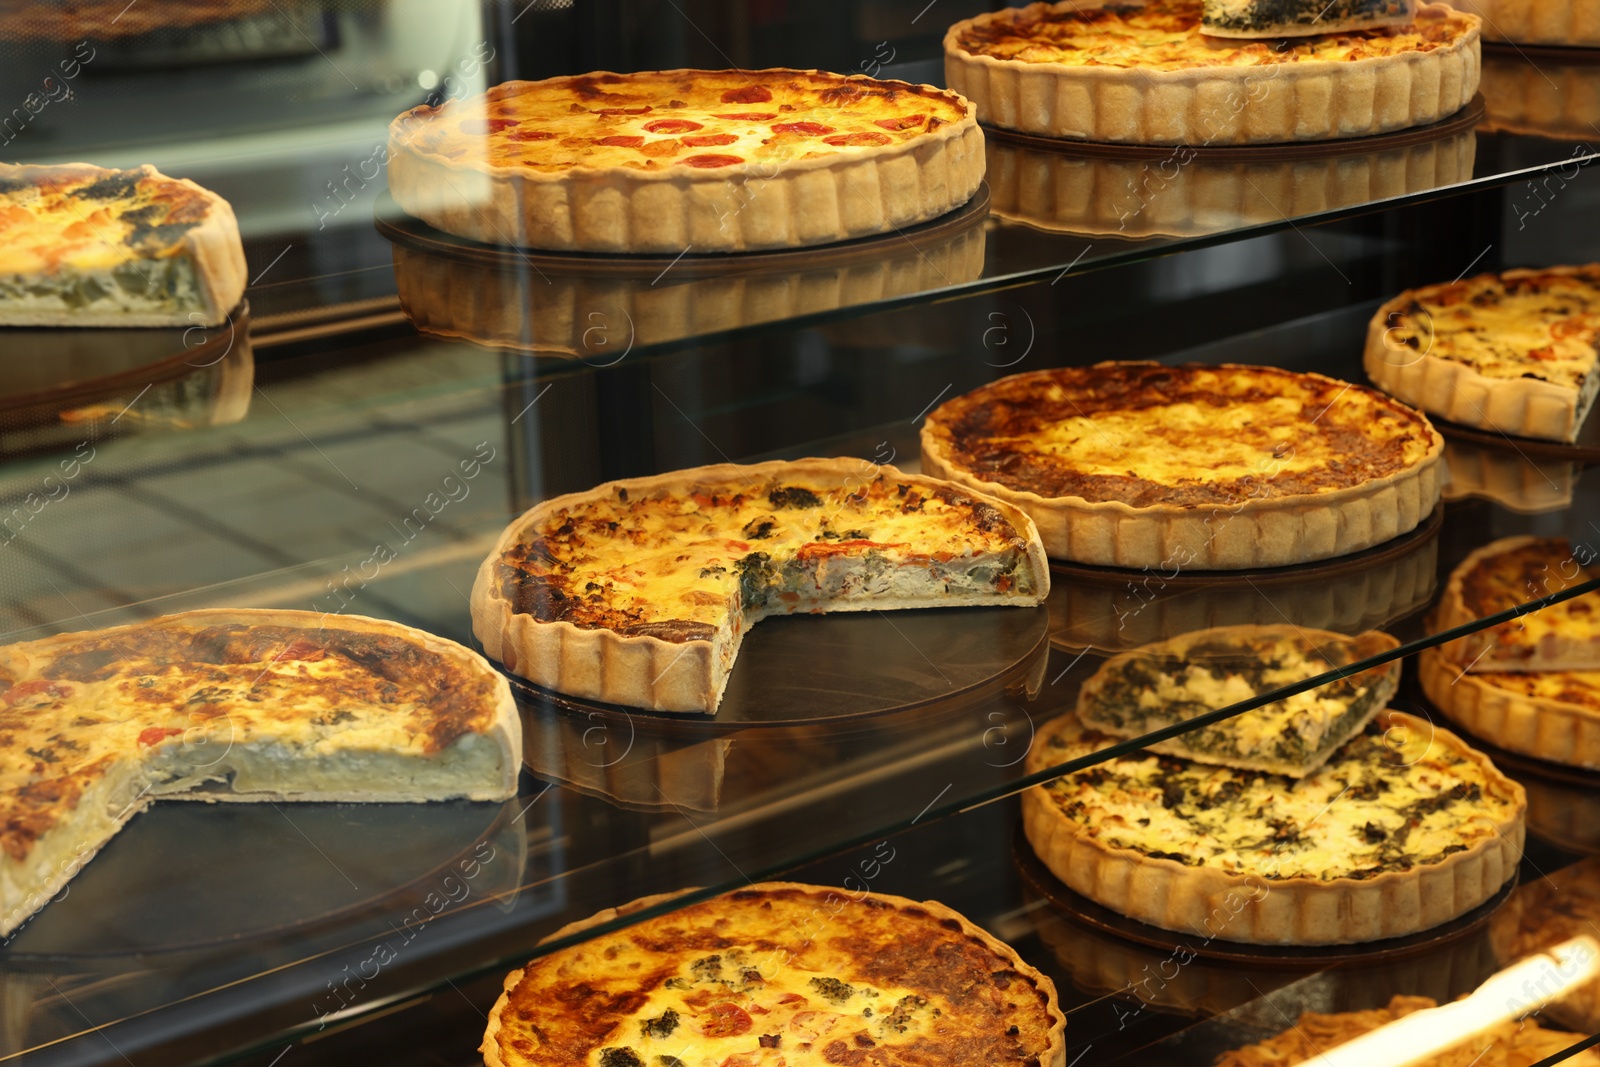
[[1516, 1043], [1508, 573], [1514, 352], [686, 160], [1550, 715], [638, 592], [81, 245], [1192, 467], [1300, 18], [1170, 681], [779, 973], [1402, 829], [232, 705], [1150, 72]]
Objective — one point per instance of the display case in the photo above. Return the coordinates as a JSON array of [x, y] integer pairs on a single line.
[[355, 436]]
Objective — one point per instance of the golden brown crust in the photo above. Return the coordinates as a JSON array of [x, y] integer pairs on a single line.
[[979, 984], [1296, 910], [1491, 706], [772, 194], [1280, 512], [1189, 101]]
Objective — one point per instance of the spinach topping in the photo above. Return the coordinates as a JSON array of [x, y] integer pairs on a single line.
[[117, 186], [758, 529], [792, 496], [620, 1057], [661, 1027], [757, 575], [708, 969], [833, 989]]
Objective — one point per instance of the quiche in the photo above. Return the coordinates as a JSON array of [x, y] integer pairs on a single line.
[[1146, 73], [779, 973], [1509, 1044], [235, 705], [686, 160], [1165, 683], [1511, 572], [1563, 23], [1402, 829], [638, 592], [1544, 913], [1191, 467], [1512, 352], [81, 245], [1550, 715], [1300, 18]]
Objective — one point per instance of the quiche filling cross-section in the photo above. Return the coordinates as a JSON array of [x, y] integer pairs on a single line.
[[640, 592]]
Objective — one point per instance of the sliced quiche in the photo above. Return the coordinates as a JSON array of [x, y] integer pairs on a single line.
[[639, 592], [1170, 681], [81, 245], [1511, 572]]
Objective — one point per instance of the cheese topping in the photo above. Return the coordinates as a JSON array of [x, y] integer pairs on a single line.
[[1542, 325], [685, 564], [688, 120], [1143, 434], [778, 976], [1383, 802], [1537, 567], [1165, 35]]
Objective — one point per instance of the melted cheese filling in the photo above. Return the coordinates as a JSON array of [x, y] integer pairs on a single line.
[[81, 239], [1546, 327], [1555, 632], [1165, 35], [1379, 803], [650, 121]]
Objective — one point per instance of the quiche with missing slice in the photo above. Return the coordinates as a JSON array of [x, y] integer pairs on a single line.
[[686, 160], [85, 246], [639, 592], [236, 705], [1165, 683], [1149, 73], [1511, 572], [776, 974], [1513, 352], [1550, 715], [1191, 467], [1402, 829]]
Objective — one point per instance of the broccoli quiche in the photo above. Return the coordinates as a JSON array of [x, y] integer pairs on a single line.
[[1513, 352], [235, 705], [85, 246], [1167, 682], [779, 973], [1403, 828], [639, 592]]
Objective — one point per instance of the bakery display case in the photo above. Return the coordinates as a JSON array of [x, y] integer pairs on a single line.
[[1199, 774]]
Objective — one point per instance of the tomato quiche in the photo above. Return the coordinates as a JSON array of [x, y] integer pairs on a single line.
[[1507, 574], [686, 160], [1513, 352], [1170, 681], [776, 974], [85, 246], [1402, 829], [236, 705], [1144, 73], [639, 592], [1191, 467], [1519, 1043]]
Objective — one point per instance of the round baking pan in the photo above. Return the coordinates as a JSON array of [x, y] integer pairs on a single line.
[[1295, 957], [841, 668], [1465, 119]]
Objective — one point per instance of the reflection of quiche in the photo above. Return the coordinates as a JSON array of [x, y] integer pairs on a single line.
[[1144, 73], [1548, 98], [232, 705], [780, 973], [1165, 683], [639, 592], [1568, 23], [84, 246], [1507, 574], [686, 160], [1542, 914], [1508, 1044], [1208, 468], [1550, 715], [1513, 352], [1402, 829]]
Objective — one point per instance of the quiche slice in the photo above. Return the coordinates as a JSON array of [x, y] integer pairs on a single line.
[[1300, 18], [1402, 829], [686, 160], [779, 973], [1149, 72], [1513, 352], [1191, 467], [1167, 682], [1506, 574], [1550, 715], [1509, 1044], [235, 705], [81, 245], [639, 591]]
